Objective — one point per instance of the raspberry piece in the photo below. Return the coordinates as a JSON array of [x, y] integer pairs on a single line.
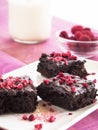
[[85, 85], [51, 110], [31, 117], [72, 57], [52, 119], [66, 54], [63, 34], [24, 117], [38, 126], [84, 38], [46, 81], [73, 89], [95, 81], [76, 28], [19, 86], [70, 113]]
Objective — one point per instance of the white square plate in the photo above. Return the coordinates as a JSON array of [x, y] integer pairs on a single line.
[[63, 119]]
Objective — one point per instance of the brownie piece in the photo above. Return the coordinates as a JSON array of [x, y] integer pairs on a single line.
[[68, 91], [17, 94], [50, 65]]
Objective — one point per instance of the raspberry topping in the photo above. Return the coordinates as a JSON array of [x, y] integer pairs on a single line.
[[62, 57], [85, 85], [73, 89], [46, 81], [15, 82], [95, 81]]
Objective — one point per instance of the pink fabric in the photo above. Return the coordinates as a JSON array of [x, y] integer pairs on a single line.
[[14, 55], [8, 63]]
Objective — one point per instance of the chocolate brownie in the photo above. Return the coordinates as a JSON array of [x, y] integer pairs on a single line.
[[51, 64], [68, 91], [17, 94]]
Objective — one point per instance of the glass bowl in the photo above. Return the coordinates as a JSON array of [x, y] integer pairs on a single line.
[[86, 49]]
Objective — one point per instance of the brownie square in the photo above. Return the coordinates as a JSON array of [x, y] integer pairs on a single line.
[[68, 91], [17, 94], [51, 64]]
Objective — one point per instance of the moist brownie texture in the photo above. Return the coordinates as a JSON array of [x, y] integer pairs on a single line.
[[50, 65], [68, 91], [17, 94]]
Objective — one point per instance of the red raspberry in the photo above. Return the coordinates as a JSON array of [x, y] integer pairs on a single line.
[[72, 38], [84, 38], [76, 28], [63, 34], [87, 29], [89, 33], [78, 34]]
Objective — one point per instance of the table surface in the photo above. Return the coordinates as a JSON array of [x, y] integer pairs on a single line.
[[14, 55]]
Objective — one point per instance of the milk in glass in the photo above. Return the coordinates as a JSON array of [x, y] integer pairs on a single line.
[[29, 20]]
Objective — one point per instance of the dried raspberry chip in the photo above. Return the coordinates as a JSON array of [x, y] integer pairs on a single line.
[[73, 89], [70, 113], [31, 117], [46, 81], [24, 117], [76, 28], [38, 126], [52, 119]]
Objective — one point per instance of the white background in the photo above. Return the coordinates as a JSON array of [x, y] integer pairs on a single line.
[[83, 12]]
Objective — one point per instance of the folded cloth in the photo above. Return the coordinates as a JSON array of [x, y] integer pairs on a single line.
[[8, 63]]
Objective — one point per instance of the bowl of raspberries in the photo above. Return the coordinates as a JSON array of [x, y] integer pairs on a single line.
[[81, 41]]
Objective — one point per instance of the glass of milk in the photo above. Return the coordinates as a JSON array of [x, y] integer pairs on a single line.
[[29, 21]]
